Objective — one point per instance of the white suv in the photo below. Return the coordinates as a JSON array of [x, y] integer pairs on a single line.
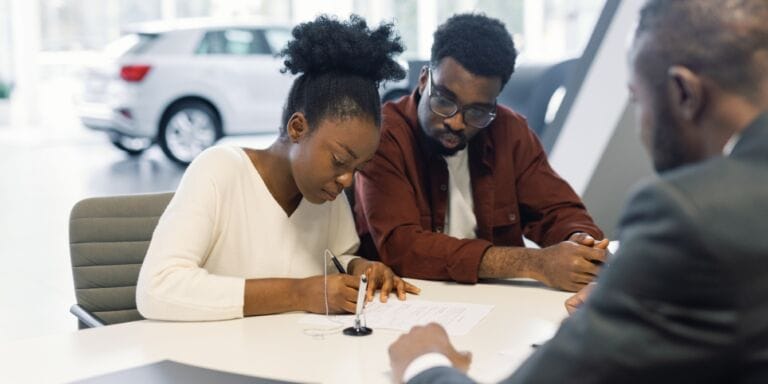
[[186, 85]]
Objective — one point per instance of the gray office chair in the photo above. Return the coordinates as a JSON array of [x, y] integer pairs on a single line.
[[108, 238]]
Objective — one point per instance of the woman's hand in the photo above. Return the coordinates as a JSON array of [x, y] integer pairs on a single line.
[[342, 293], [381, 277]]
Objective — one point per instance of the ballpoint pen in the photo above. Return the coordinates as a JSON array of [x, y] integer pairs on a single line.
[[336, 262], [363, 288]]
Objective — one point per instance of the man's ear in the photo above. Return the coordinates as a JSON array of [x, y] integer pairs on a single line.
[[297, 127], [423, 78], [686, 92]]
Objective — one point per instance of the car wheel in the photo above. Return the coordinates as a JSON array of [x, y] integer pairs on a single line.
[[133, 146], [188, 128]]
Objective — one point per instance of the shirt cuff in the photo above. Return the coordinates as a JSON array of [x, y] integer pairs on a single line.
[[423, 363]]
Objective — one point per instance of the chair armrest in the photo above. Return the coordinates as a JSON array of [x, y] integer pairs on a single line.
[[85, 317]]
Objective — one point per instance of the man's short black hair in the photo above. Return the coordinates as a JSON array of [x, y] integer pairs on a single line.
[[715, 38], [482, 45]]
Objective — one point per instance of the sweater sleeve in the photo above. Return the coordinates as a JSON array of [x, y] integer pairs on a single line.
[[173, 285]]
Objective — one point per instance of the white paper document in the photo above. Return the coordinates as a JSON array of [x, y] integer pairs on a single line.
[[536, 335], [457, 318]]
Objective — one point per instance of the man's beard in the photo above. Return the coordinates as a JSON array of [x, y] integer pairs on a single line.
[[669, 148], [438, 146]]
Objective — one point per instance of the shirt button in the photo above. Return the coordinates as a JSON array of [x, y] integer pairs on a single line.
[[512, 217], [443, 187]]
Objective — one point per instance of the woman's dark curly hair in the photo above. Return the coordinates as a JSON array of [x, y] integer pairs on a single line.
[[341, 65]]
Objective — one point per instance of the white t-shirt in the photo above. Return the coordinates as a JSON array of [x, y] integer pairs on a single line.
[[223, 227], [460, 221]]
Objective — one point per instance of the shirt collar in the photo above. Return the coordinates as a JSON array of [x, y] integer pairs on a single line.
[[728, 148], [751, 139]]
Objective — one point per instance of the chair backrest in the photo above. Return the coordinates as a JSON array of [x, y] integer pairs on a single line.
[[108, 238], [532, 87]]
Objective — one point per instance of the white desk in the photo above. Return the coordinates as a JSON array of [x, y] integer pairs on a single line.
[[277, 346]]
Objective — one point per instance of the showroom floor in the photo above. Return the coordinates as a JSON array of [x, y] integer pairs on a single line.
[[44, 175]]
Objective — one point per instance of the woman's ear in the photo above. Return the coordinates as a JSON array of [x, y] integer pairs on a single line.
[[297, 127]]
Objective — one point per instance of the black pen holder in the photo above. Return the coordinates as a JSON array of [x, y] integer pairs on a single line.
[[357, 331]]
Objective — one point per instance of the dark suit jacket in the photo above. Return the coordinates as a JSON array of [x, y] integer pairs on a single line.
[[686, 298]]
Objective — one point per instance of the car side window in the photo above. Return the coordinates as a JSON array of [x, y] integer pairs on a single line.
[[277, 38], [235, 41]]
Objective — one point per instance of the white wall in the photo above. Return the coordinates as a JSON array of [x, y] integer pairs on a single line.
[[599, 104]]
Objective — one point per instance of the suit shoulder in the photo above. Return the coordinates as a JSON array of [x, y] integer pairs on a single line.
[[689, 184], [727, 191], [714, 183]]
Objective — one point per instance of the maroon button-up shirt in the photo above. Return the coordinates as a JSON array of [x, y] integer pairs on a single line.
[[401, 197]]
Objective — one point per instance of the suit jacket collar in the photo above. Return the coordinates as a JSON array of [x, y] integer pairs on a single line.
[[753, 142]]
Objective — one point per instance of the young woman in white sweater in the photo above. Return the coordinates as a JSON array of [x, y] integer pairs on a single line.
[[247, 231]]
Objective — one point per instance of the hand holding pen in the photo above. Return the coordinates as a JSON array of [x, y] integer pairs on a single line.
[[341, 293], [379, 276]]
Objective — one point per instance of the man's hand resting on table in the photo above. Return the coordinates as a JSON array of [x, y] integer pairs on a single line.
[[421, 340]]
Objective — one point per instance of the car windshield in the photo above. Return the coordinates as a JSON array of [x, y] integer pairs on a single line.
[[131, 43]]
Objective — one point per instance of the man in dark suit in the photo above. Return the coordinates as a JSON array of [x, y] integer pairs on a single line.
[[686, 297]]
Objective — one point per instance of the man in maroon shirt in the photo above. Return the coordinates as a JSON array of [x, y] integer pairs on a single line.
[[458, 180]]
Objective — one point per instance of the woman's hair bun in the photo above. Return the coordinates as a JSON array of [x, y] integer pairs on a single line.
[[328, 45]]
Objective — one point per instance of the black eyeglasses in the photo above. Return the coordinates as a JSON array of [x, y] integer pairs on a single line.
[[473, 115]]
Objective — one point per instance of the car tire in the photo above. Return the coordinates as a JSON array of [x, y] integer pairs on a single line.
[[188, 128], [133, 146]]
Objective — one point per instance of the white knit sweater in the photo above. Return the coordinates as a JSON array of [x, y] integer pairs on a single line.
[[223, 227]]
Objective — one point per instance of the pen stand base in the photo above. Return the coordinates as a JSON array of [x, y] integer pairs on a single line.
[[359, 331]]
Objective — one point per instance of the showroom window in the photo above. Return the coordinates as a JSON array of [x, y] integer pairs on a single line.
[[69, 34], [545, 30]]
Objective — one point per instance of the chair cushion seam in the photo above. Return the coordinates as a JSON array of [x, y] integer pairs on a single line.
[[109, 242], [109, 287], [113, 217], [103, 265]]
